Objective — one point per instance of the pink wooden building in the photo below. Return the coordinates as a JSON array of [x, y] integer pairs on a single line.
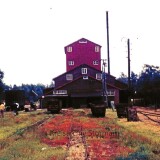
[[83, 51], [82, 81]]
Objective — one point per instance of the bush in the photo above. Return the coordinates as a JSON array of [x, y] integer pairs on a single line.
[[140, 154]]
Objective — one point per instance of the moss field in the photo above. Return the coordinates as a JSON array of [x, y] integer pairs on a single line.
[[16, 143]]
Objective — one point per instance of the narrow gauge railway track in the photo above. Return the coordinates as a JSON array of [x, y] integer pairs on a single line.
[[32, 126], [154, 117], [77, 148]]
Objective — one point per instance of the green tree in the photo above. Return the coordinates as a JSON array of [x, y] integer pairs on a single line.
[[149, 84], [123, 78], [2, 85]]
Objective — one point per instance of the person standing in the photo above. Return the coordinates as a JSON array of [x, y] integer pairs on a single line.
[[15, 108], [2, 108], [112, 106]]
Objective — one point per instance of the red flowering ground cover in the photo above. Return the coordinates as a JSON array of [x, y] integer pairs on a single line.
[[85, 137]]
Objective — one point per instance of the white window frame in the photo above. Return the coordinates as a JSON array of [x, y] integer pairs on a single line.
[[84, 70], [97, 49], [83, 41], [98, 76], [71, 63], [60, 92], [69, 49], [85, 77], [95, 62], [69, 77], [111, 93]]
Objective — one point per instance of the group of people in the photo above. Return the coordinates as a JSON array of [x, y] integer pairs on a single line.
[[14, 108]]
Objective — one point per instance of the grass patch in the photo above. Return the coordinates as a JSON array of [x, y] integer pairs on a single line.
[[141, 137], [30, 150], [10, 123], [28, 146], [135, 140]]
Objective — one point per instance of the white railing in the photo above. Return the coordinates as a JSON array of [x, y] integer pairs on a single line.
[[60, 92], [111, 93]]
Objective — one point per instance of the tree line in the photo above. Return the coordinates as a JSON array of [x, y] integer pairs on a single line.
[[32, 91], [145, 86]]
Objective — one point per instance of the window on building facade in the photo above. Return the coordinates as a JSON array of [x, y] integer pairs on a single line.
[[98, 76], [83, 41], [71, 63], [69, 49], [69, 77], [110, 92], [60, 92], [84, 70], [96, 48], [85, 77], [95, 62]]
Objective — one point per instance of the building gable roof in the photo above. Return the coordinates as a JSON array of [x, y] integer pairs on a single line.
[[77, 80], [82, 65], [117, 84], [122, 86], [82, 40]]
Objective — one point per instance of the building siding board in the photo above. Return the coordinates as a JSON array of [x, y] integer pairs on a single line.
[[61, 80], [116, 98], [91, 72], [83, 53], [83, 86]]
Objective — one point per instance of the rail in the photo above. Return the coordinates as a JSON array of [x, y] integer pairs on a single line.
[[149, 114]]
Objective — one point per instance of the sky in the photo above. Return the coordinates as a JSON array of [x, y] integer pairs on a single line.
[[33, 34]]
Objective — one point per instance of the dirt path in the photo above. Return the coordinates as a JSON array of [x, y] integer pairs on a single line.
[[77, 147], [86, 137], [101, 145]]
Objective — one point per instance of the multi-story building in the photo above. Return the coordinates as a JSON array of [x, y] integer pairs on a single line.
[[83, 51], [82, 82]]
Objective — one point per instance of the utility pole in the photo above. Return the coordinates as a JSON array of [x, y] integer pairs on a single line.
[[129, 78], [104, 84], [108, 43]]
